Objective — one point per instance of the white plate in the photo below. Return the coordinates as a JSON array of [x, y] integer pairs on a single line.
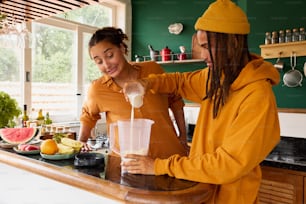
[[6, 145]]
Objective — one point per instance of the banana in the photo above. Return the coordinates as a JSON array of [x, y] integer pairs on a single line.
[[76, 145], [64, 149]]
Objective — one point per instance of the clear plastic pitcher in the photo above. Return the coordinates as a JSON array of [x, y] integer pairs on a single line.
[[128, 137]]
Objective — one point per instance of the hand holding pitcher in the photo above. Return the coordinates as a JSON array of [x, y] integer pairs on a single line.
[[134, 92]]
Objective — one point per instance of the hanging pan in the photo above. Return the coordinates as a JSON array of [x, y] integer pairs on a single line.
[[293, 77]]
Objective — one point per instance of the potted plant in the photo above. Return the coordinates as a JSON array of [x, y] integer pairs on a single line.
[[8, 110]]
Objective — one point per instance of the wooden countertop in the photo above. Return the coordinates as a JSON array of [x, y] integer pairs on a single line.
[[197, 193]]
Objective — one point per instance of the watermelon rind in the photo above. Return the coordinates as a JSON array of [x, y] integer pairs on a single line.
[[18, 135]]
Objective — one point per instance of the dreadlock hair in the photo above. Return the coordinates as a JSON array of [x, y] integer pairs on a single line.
[[229, 58]]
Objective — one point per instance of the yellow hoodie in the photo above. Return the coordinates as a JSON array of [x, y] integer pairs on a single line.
[[227, 150]]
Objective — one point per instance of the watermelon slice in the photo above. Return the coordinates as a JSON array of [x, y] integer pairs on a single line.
[[18, 135]]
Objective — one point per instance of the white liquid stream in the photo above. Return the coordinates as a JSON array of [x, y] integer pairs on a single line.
[[136, 102]]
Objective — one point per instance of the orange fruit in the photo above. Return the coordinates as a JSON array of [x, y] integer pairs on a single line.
[[48, 146]]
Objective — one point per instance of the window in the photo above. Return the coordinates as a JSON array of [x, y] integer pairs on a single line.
[[10, 72], [53, 67], [90, 71], [55, 74], [95, 15]]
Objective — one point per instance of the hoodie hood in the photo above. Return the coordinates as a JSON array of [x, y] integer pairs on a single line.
[[256, 70]]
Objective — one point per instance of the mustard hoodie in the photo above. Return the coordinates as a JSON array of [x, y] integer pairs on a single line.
[[227, 150]]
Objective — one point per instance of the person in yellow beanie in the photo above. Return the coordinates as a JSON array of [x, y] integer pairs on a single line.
[[238, 123]]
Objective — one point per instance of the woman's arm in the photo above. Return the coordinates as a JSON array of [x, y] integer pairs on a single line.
[[85, 132], [180, 122], [176, 105]]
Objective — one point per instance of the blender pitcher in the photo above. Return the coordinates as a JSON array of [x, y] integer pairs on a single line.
[[130, 136]]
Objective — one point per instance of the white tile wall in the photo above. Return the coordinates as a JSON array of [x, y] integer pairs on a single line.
[[292, 124]]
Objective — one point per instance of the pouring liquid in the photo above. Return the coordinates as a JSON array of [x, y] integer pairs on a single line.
[[131, 128], [136, 102]]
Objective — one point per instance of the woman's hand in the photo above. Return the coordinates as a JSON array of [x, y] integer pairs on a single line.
[[86, 147], [138, 164]]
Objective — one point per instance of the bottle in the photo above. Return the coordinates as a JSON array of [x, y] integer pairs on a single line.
[[281, 36], [274, 37], [69, 132], [40, 118], [302, 34], [59, 129], [295, 35], [48, 120], [268, 38], [288, 36], [25, 117]]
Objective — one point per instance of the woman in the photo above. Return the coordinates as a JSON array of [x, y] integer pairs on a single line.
[[108, 49], [238, 123]]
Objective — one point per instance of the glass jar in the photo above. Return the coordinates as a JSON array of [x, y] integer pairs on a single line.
[[295, 35], [268, 38], [274, 37], [281, 36], [60, 129], [302, 34], [288, 36]]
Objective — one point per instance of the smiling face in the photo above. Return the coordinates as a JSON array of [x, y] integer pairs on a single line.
[[109, 58]]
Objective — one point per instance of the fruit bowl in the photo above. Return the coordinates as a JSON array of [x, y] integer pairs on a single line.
[[57, 156], [37, 151]]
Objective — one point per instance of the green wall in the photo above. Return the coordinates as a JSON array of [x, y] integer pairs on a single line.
[[150, 21]]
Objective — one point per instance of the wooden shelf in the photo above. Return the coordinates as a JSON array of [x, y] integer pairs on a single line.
[[174, 60], [274, 50], [181, 61]]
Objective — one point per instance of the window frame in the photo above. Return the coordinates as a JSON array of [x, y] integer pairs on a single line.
[[121, 10]]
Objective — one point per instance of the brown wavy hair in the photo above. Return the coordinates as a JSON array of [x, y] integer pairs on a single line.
[[109, 34]]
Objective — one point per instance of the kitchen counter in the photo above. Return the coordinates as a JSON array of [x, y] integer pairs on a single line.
[[106, 181], [288, 154]]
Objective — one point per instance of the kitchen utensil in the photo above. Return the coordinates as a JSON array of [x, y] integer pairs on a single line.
[[153, 53], [88, 159], [279, 64], [166, 54], [135, 92], [182, 55], [130, 137], [293, 77]]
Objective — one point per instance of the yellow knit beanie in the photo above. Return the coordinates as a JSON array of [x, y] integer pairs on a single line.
[[223, 16]]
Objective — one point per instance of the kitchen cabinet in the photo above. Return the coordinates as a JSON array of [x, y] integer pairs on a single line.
[[281, 186], [283, 49]]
